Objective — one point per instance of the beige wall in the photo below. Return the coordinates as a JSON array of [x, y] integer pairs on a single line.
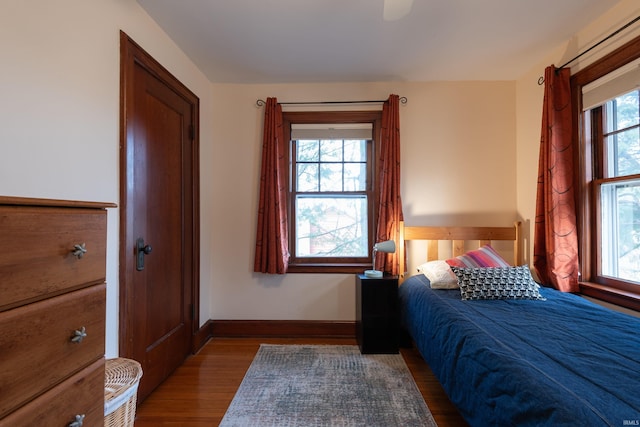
[[529, 96], [59, 108]]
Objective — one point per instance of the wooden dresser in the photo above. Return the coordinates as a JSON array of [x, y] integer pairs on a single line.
[[52, 312]]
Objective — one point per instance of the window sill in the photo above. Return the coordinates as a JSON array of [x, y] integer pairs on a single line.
[[611, 295], [328, 268]]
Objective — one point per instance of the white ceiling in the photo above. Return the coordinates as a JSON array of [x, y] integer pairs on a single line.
[[295, 41]]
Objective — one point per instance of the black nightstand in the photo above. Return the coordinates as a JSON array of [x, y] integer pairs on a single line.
[[377, 314]]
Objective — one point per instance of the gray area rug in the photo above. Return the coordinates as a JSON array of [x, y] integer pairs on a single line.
[[326, 385]]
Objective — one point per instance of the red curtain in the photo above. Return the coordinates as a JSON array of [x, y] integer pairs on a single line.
[[555, 245], [390, 208], [272, 246]]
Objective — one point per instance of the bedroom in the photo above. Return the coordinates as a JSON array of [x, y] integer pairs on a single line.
[[60, 86]]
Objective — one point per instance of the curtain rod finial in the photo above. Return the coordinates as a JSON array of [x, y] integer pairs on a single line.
[[260, 103]]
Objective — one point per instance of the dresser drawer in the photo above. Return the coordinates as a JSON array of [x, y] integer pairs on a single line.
[[36, 244], [36, 348], [82, 394]]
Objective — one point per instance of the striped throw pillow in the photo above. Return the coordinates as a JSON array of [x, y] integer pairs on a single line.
[[485, 256]]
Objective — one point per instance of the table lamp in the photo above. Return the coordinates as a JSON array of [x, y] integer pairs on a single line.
[[389, 247]]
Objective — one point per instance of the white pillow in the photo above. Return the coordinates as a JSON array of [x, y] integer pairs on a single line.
[[439, 274]]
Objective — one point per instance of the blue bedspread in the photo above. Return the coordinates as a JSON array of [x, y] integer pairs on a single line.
[[561, 362]]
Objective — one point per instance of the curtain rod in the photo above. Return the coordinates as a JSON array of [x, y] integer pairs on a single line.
[[541, 79], [260, 102]]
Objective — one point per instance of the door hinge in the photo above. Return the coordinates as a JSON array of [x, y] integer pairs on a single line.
[[193, 312], [192, 132]]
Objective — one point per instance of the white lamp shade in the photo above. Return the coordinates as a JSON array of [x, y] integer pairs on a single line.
[[388, 246]]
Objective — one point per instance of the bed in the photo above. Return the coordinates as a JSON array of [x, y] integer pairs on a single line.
[[560, 360]]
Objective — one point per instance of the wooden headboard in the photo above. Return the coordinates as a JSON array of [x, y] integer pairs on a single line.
[[458, 236]]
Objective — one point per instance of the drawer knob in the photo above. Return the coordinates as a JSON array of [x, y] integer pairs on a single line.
[[79, 420], [79, 335], [79, 250]]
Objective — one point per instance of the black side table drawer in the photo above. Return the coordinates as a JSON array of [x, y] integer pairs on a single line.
[[377, 314]]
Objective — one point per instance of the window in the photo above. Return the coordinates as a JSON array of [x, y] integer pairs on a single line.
[[332, 189], [618, 188], [329, 193], [608, 110]]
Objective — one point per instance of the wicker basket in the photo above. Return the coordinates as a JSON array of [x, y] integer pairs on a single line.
[[122, 377]]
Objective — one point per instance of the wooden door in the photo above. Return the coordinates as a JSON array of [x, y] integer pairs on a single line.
[[159, 194]]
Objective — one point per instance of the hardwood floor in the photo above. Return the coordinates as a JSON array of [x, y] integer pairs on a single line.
[[199, 392]]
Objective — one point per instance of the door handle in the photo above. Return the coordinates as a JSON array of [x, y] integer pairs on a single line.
[[141, 251]]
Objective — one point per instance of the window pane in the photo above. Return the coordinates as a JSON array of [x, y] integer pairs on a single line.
[[622, 135], [355, 176], [620, 206], [331, 227], [623, 153], [331, 150], [624, 111], [355, 150], [307, 177], [331, 177], [307, 150]]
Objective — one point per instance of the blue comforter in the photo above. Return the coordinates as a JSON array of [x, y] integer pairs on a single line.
[[561, 362]]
